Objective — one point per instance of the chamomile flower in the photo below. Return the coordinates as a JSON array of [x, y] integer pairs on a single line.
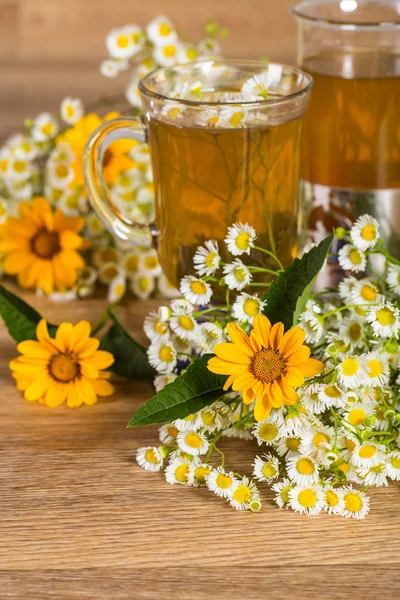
[[60, 173], [110, 68], [333, 500], [207, 259], [346, 287], [240, 238], [150, 458], [191, 422], [393, 465], [266, 467], [106, 255], [162, 356], [209, 118], [156, 324], [166, 288], [172, 112], [356, 503], [211, 418], [367, 455], [148, 263], [45, 127], [221, 482], [179, 471], [193, 442], [166, 55], [269, 431], [393, 278], [160, 381], [311, 401], [377, 367], [196, 290], [315, 442], [303, 470], [331, 395], [385, 320], [116, 289], [364, 292], [283, 489], [181, 306], [132, 93], [167, 432], [288, 446], [352, 372], [256, 86], [142, 286], [200, 474], [246, 307], [352, 259], [20, 169], [71, 110], [306, 499], [23, 147], [161, 31], [365, 232], [351, 332], [233, 117], [124, 42], [244, 495], [295, 423], [110, 271], [236, 275], [357, 412], [313, 325], [376, 475]]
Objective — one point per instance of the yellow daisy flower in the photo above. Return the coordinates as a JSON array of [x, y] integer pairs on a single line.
[[41, 247], [266, 365], [116, 159], [67, 369]]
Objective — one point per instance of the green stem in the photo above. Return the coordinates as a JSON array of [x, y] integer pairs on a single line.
[[271, 254], [101, 322]]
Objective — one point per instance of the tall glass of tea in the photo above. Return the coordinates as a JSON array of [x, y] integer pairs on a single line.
[[224, 141], [351, 159]]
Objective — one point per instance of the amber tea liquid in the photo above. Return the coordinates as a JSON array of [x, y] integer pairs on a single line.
[[208, 179], [352, 126]]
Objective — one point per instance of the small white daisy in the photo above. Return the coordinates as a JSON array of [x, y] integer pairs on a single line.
[[331, 395], [294, 424], [376, 475], [148, 263], [385, 319], [236, 275], [124, 42], [357, 412], [233, 117], [288, 446], [167, 432], [110, 271], [179, 471], [303, 470], [200, 474], [351, 331], [246, 307], [166, 55], [116, 289], [161, 30], [365, 232], [207, 259], [110, 67], [182, 307], [150, 458], [333, 500], [156, 325], [377, 369], [209, 118], [162, 356], [393, 278], [244, 495], [45, 127], [165, 287], [220, 482], [185, 326], [352, 372], [346, 287], [160, 381], [142, 286], [314, 326], [367, 455], [393, 465], [193, 442], [306, 499], [196, 290], [191, 422], [269, 431], [257, 86], [316, 442], [282, 489], [209, 334], [356, 503], [352, 259], [266, 467], [71, 110], [364, 292], [240, 238]]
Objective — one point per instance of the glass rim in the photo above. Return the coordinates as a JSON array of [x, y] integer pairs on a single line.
[[229, 62], [297, 11]]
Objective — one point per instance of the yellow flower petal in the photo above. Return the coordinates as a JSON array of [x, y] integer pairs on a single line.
[[276, 335], [311, 367], [232, 353], [56, 395], [293, 337], [34, 349], [262, 408], [86, 391], [222, 367], [38, 387], [102, 387]]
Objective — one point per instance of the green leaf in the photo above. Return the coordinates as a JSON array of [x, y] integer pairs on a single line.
[[130, 357], [20, 318], [187, 394], [288, 295]]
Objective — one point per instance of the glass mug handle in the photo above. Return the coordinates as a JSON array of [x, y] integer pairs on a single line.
[[99, 195]]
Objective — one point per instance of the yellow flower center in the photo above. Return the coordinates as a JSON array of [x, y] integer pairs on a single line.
[[209, 261], [45, 244], [353, 502], [319, 439], [378, 468], [361, 311], [356, 416], [332, 391], [193, 440], [368, 233], [172, 431], [350, 366], [269, 469], [200, 473], [267, 365], [213, 120], [161, 327], [251, 307], [151, 456], [151, 262], [186, 323], [3, 165], [395, 462], [166, 354], [235, 121], [240, 274], [70, 111], [62, 171], [19, 166], [164, 29], [368, 293], [375, 368], [192, 53], [332, 499], [355, 257], [268, 431], [110, 272], [170, 51], [350, 445], [173, 112], [182, 473], [144, 283], [63, 368], [242, 493], [132, 264], [47, 129], [367, 451], [119, 290], [355, 331], [223, 481], [385, 316], [208, 417], [344, 467], [305, 466], [108, 255], [122, 41], [285, 494], [243, 241], [293, 443], [307, 498], [198, 287]]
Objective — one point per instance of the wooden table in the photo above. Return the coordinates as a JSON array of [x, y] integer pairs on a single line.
[[79, 518]]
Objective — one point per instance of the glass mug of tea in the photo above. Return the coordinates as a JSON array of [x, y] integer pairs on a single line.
[[224, 141], [351, 152]]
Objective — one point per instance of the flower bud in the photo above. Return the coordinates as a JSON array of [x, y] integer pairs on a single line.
[[366, 434], [340, 233], [389, 414], [370, 421]]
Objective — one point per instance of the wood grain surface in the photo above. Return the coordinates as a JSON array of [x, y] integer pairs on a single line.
[[79, 519]]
